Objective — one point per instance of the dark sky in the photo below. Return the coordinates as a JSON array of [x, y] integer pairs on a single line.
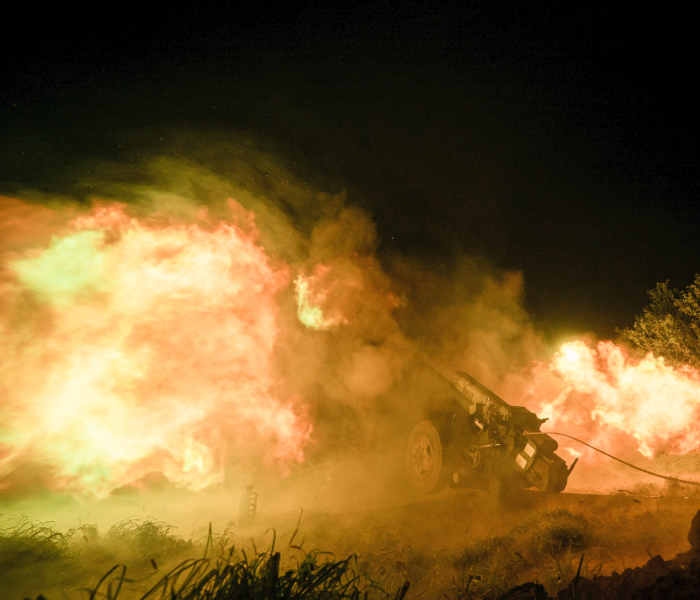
[[561, 142]]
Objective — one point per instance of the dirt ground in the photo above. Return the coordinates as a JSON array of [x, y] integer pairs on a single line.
[[366, 508], [373, 495], [645, 526]]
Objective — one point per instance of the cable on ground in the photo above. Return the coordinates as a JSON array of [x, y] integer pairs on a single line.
[[696, 483]]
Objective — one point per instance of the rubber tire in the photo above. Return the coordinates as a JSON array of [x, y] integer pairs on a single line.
[[424, 458]]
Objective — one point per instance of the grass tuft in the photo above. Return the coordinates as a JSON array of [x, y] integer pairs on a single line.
[[37, 559], [544, 547], [235, 576], [23, 542], [146, 541], [153, 563], [554, 532]]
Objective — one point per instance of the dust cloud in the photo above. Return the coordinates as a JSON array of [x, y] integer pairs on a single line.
[[245, 392]]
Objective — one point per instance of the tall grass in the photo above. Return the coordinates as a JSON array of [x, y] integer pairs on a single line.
[[235, 576], [23, 542], [547, 547], [36, 558], [145, 542], [153, 563]]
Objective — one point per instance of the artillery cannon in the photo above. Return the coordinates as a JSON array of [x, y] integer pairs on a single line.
[[476, 439]]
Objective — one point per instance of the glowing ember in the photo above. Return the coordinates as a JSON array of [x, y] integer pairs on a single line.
[[607, 393], [132, 346], [312, 295]]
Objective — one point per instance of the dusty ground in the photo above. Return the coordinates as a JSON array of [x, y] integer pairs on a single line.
[[365, 507], [638, 527], [373, 494]]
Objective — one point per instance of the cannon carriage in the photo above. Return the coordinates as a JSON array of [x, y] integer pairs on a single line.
[[476, 439]]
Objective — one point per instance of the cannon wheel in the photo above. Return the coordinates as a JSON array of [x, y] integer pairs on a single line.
[[424, 458]]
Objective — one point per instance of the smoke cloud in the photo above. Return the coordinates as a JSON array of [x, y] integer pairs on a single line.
[[157, 318], [206, 312]]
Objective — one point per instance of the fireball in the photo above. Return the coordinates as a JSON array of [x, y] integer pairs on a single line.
[[133, 345]]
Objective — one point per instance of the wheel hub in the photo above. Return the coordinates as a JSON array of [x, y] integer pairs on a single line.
[[422, 457]]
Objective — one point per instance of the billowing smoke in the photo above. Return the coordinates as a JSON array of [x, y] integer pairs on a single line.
[[205, 312]]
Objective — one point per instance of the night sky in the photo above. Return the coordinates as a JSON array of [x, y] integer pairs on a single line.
[[559, 142]]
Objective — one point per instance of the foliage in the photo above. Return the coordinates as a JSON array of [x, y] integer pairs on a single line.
[[230, 577], [35, 557], [25, 542], [670, 325], [548, 546], [146, 541], [554, 532], [544, 546]]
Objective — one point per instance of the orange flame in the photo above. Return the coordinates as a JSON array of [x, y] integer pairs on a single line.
[[615, 401], [132, 346], [315, 299]]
